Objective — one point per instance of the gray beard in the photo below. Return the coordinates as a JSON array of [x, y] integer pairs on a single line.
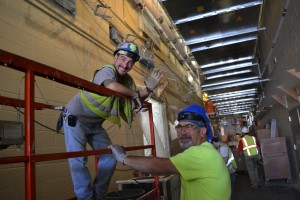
[[185, 145]]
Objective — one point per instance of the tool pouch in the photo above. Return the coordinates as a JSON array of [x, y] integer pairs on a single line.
[[60, 122], [72, 120]]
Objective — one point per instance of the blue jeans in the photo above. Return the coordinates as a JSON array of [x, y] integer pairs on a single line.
[[76, 139]]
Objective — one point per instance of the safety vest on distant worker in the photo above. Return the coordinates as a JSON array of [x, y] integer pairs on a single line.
[[231, 159], [249, 145], [108, 107]]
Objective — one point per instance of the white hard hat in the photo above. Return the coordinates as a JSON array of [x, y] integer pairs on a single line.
[[245, 130]]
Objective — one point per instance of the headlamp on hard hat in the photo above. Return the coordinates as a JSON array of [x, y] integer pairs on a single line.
[[129, 49], [193, 117]]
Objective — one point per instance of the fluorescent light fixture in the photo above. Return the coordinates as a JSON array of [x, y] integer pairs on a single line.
[[225, 43], [236, 104], [217, 12], [190, 78], [233, 97], [222, 62], [229, 81], [247, 106], [228, 74], [232, 85], [235, 101], [233, 93], [236, 107], [234, 110], [194, 63], [234, 113], [223, 35], [230, 67]]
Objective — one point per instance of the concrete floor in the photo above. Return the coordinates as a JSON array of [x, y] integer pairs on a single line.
[[274, 190]]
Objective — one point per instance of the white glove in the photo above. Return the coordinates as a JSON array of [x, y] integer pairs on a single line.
[[152, 81], [136, 102], [118, 152]]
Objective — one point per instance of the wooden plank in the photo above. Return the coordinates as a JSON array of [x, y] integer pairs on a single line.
[[281, 100], [293, 92], [294, 72]]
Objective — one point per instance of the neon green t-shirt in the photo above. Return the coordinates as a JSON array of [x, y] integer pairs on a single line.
[[203, 173]]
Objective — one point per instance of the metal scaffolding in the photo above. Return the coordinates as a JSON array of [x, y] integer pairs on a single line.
[[31, 70]]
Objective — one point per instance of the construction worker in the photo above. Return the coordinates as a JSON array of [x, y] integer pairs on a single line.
[[203, 173], [86, 112], [229, 160], [249, 147]]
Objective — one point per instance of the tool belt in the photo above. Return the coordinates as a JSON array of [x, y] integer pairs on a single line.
[[72, 120]]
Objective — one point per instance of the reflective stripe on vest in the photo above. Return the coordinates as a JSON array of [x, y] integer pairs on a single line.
[[247, 148], [231, 159], [108, 107]]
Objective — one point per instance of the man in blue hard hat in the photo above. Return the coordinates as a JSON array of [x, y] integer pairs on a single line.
[[86, 112], [203, 173]]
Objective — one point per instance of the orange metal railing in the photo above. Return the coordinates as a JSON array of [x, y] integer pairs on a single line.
[[32, 69]]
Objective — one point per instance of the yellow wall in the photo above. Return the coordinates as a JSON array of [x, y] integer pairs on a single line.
[[44, 32]]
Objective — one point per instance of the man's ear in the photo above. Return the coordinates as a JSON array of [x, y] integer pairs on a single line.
[[203, 131], [115, 57]]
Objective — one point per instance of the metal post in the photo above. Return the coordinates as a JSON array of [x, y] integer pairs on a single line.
[[152, 135], [30, 185]]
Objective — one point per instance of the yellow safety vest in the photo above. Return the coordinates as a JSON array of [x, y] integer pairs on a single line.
[[108, 107], [249, 145], [231, 159]]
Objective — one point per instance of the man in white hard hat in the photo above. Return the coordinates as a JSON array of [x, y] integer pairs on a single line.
[[248, 145]]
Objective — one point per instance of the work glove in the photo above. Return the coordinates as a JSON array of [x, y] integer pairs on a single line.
[[118, 152], [136, 102], [152, 81]]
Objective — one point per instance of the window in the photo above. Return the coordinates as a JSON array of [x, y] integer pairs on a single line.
[[69, 5]]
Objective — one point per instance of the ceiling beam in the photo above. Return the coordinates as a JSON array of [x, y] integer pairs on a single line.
[[223, 35], [224, 43], [229, 81], [221, 75], [229, 67], [229, 61], [218, 12], [242, 83]]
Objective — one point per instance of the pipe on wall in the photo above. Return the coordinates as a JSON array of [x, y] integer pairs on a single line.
[[276, 36], [163, 34], [155, 15]]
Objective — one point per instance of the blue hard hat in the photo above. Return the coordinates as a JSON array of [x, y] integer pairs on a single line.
[[196, 114], [129, 49], [210, 139]]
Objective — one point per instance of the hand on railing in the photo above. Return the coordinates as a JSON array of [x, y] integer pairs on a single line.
[[118, 152]]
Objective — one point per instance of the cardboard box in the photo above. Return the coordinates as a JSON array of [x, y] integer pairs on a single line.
[[265, 133], [259, 127]]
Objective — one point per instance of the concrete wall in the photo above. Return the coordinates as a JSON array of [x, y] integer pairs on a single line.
[[44, 32], [284, 55]]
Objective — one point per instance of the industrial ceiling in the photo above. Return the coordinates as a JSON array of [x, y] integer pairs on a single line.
[[222, 37]]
